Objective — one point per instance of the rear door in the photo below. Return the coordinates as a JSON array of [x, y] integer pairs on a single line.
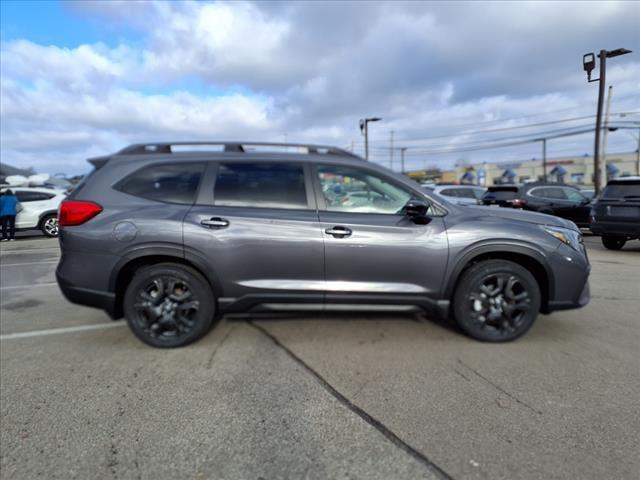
[[373, 252], [33, 203], [256, 224]]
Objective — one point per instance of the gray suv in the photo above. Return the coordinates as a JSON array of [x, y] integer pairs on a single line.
[[174, 235]]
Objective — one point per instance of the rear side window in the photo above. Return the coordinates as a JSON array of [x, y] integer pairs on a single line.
[[502, 193], [173, 183], [25, 196], [628, 189], [260, 185]]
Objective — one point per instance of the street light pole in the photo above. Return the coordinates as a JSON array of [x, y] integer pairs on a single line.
[[402, 150], [544, 159], [364, 128], [589, 63]]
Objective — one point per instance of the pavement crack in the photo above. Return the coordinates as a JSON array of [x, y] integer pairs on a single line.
[[462, 374], [217, 347], [500, 389], [384, 430]]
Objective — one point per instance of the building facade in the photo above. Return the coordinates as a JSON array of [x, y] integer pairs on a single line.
[[575, 170]]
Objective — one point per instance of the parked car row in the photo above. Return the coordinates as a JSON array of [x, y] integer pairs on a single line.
[[614, 214]]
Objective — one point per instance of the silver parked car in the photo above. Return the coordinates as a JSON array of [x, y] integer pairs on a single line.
[[460, 194], [176, 239]]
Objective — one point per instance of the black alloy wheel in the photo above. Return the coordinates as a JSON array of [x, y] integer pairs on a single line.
[[169, 305], [613, 243], [496, 301]]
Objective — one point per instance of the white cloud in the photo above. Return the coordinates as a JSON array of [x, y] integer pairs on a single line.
[[311, 70]]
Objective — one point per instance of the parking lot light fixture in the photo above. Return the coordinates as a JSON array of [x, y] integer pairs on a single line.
[[589, 63], [364, 129]]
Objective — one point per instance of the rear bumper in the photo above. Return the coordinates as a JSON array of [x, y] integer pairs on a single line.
[[87, 297], [626, 229]]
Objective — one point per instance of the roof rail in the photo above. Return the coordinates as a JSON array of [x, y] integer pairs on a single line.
[[239, 147]]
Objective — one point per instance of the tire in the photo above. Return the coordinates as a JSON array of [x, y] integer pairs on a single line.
[[496, 301], [613, 243], [157, 312], [49, 226]]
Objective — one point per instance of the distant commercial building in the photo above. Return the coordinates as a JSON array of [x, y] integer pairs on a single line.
[[577, 170]]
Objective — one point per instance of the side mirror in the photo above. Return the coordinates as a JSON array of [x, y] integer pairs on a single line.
[[417, 210]]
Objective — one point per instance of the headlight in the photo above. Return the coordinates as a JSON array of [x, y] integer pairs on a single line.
[[566, 235]]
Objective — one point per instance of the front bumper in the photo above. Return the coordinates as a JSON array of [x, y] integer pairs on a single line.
[[570, 287], [581, 301]]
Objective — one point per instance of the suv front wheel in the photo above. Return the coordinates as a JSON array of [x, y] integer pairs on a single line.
[[496, 301], [169, 305]]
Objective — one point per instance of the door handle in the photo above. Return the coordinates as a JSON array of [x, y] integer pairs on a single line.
[[338, 232], [215, 222]]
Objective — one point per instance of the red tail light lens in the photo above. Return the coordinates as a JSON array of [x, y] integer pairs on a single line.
[[76, 212], [517, 203]]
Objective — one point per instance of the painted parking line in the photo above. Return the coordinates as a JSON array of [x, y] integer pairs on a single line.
[[17, 287], [27, 263], [56, 331]]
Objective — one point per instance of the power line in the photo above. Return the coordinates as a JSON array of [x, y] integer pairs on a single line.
[[473, 132]]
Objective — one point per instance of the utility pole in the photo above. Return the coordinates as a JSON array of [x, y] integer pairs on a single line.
[[638, 155], [589, 63], [402, 150], [391, 151], [602, 179], [544, 159]]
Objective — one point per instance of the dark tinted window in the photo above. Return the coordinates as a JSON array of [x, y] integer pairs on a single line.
[[262, 185], [450, 192], [502, 193], [26, 196], [555, 193], [174, 183], [628, 189]]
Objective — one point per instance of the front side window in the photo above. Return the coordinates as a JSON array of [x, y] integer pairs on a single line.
[[348, 189], [260, 185], [173, 183]]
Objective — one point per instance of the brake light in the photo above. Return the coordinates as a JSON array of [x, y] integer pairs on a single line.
[[517, 203], [76, 212]]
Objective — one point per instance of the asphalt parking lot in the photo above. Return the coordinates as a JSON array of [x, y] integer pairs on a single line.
[[317, 397]]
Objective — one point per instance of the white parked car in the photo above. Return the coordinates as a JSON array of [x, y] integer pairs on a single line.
[[39, 209]]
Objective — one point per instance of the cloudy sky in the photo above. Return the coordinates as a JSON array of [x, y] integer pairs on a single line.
[[452, 80]]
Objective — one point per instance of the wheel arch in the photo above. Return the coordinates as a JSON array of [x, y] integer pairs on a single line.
[[527, 257], [124, 271], [44, 215]]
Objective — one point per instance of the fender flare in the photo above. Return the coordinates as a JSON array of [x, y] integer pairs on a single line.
[[508, 247], [175, 251]]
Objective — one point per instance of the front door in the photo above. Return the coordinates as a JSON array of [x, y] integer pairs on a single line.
[[373, 252], [258, 229]]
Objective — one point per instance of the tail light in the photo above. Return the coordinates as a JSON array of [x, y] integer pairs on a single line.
[[76, 212], [517, 203]]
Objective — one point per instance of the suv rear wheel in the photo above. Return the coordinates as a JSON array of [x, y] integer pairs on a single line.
[[496, 301], [49, 226], [169, 305], [613, 243]]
